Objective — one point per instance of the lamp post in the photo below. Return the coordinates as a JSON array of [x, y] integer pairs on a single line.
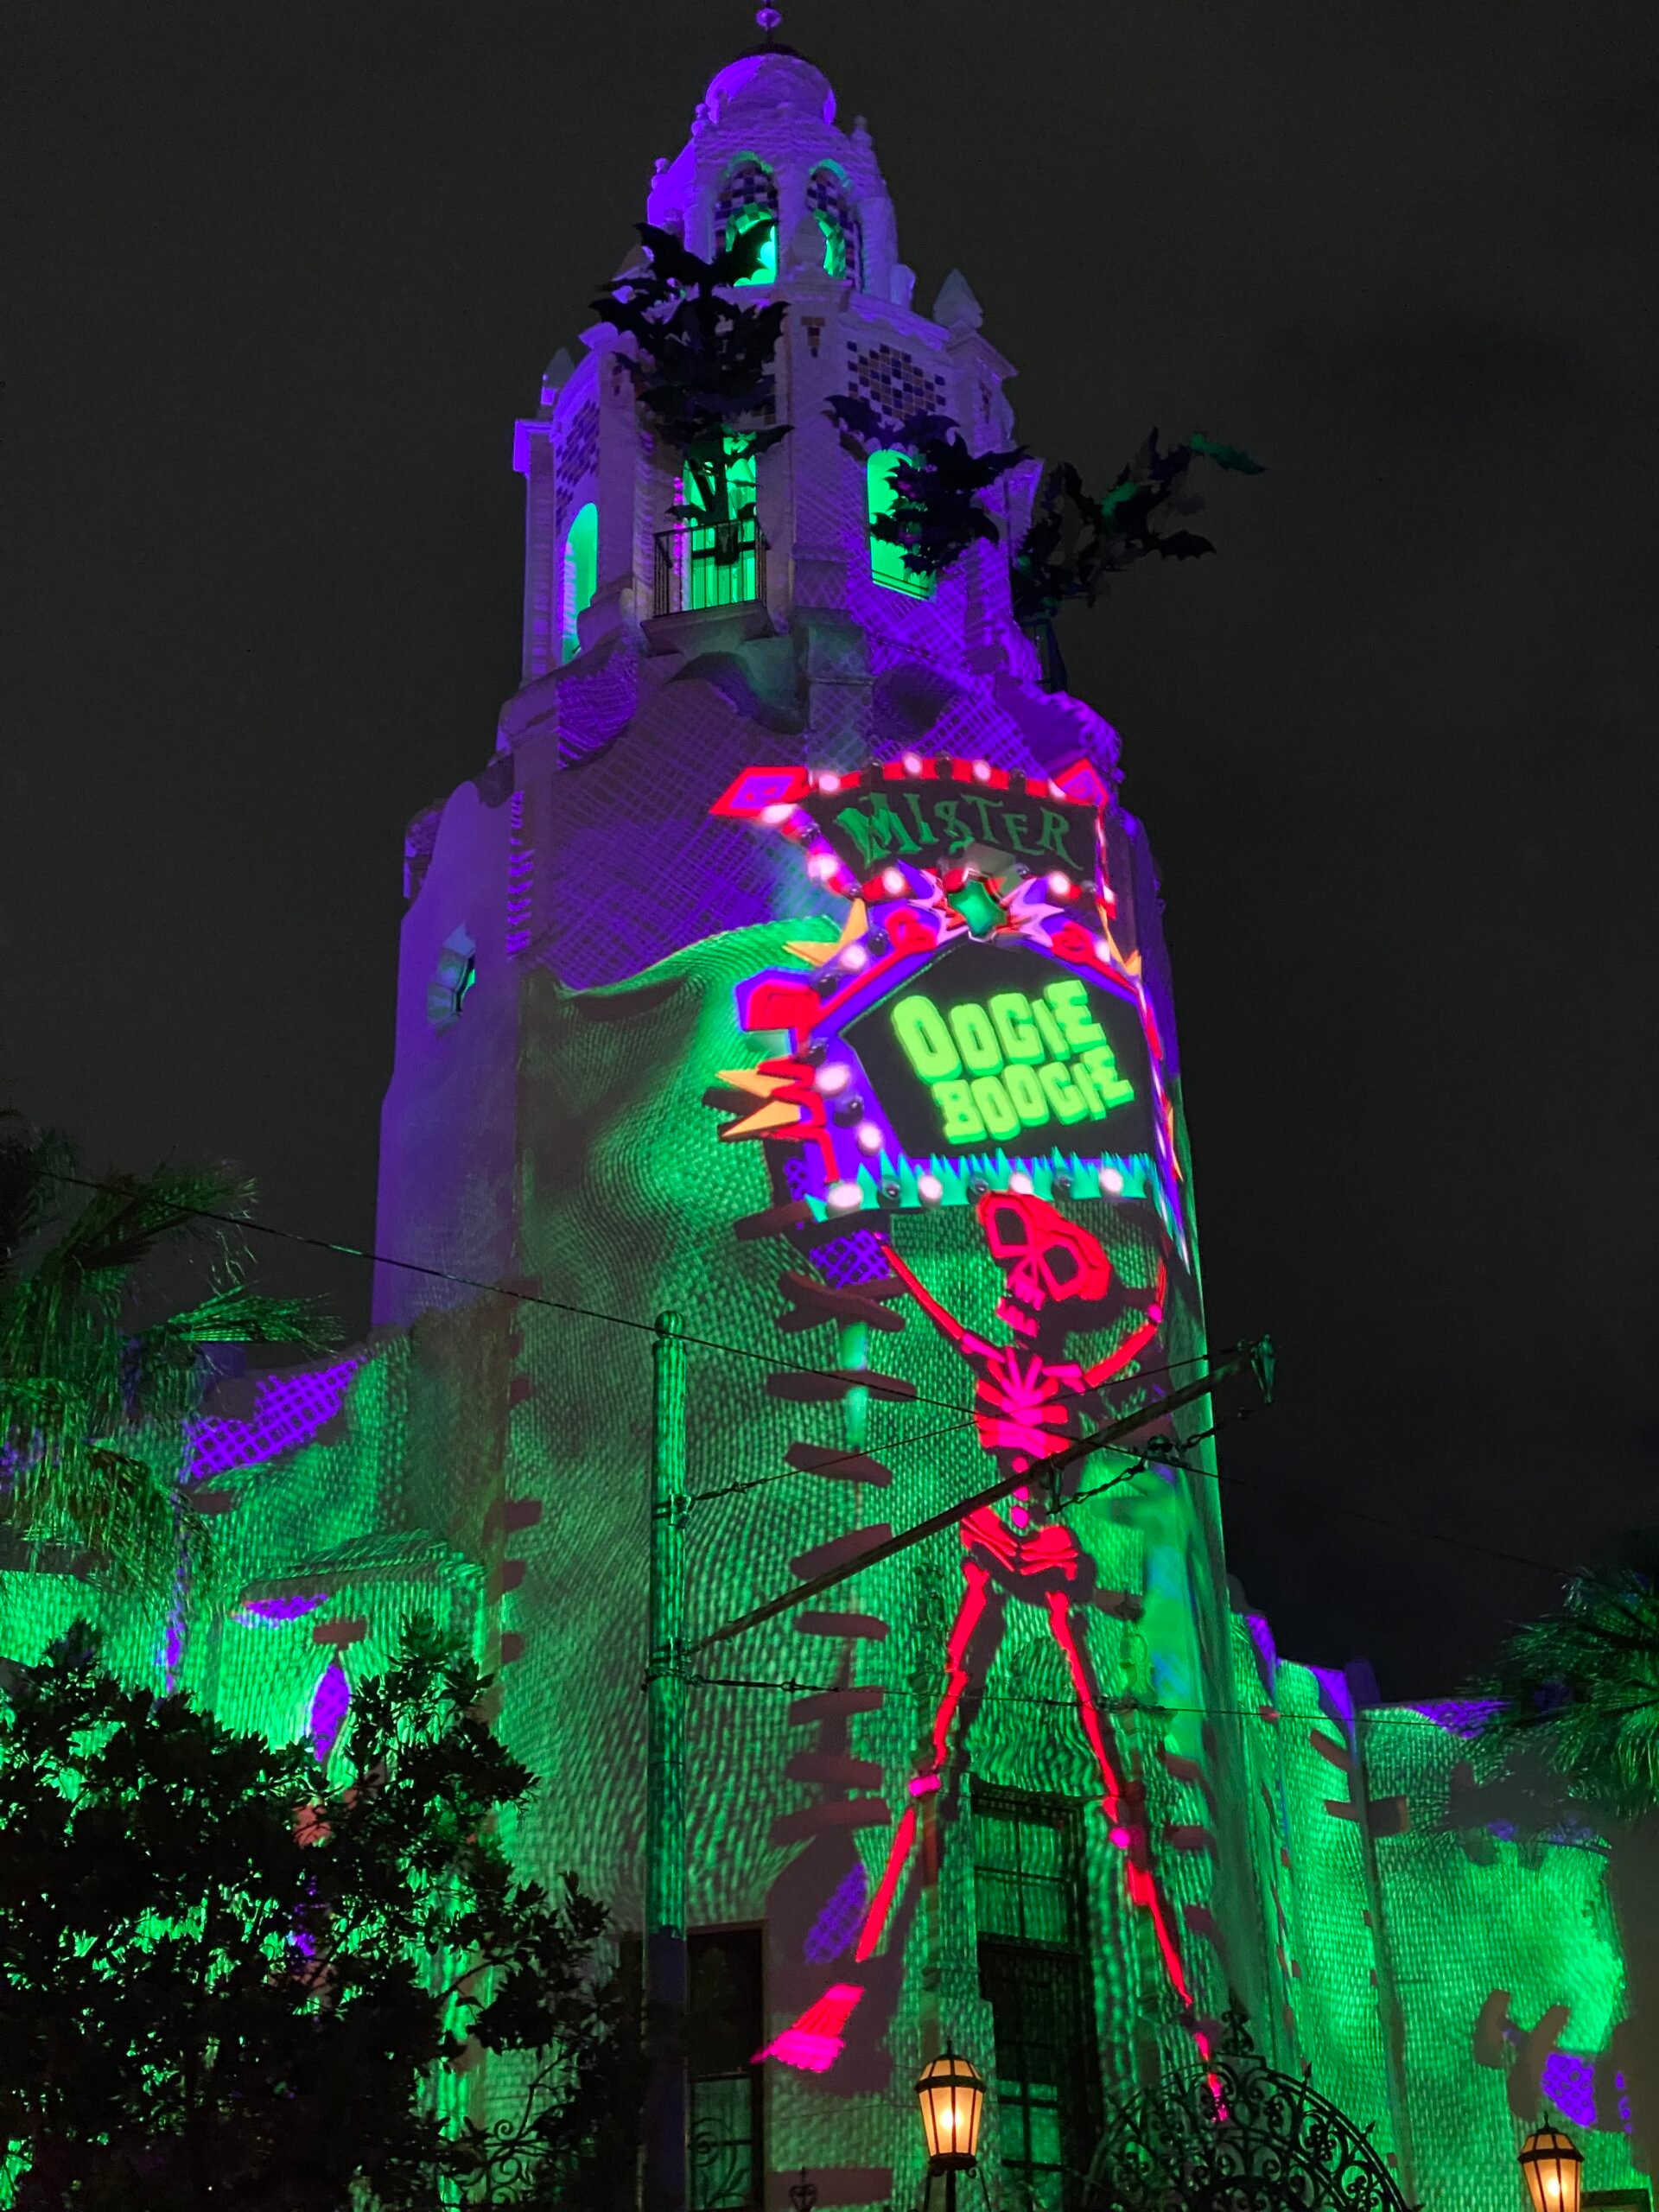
[[951, 2094], [1553, 2166]]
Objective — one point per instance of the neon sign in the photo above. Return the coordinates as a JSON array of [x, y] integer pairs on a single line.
[[1008, 1064], [868, 828], [977, 1024]]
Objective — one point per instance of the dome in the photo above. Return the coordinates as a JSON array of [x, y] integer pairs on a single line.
[[773, 77]]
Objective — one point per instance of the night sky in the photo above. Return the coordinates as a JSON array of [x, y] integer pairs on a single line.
[[280, 280]]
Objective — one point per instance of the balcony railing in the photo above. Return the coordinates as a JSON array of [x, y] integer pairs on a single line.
[[709, 565]]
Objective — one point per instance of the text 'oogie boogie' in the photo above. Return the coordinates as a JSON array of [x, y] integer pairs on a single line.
[[1012, 1063]]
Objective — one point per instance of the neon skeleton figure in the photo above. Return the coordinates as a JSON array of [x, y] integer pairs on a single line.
[[1027, 1392]]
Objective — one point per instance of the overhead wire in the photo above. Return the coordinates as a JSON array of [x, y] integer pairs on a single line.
[[776, 1363]]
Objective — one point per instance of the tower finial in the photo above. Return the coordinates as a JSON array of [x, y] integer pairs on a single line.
[[768, 19]]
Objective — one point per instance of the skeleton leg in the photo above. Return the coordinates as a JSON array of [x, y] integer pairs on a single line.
[[969, 1614], [1129, 1833]]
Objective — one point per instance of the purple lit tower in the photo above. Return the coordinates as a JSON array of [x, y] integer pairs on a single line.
[[792, 968], [585, 849]]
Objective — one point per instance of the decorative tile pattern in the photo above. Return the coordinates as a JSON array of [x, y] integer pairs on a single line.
[[893, 381]]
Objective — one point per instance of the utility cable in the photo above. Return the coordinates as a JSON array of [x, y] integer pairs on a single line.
[[777, 1364]]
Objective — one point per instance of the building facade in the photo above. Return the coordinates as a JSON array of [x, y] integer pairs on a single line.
[[793, 968]]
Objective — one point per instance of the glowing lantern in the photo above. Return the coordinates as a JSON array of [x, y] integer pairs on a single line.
[[952, 2097], [1553, 2166]]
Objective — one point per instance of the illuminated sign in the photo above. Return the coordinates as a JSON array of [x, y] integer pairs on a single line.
[[925, 822], [996, 1044]]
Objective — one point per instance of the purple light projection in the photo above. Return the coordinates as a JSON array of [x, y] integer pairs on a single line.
[[837, 1925], [1267, 1651], [1569, 2082], [329, 1706], [287, 1411], [1335, 1695], [271, 1611], [1466, 1717]]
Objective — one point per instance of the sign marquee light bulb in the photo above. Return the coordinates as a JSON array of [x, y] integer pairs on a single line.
[[1060, 884], [912, 764], [833, 1076], [845, 1198], [869, 1136], [829, 781], [855, 958], [981, 771], [929, 1190], [892, 883], [778, 812], [1111, 1180]]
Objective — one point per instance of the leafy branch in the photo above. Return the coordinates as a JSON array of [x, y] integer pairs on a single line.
[[94, 1387]]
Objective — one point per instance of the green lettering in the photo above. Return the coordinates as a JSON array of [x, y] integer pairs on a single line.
[[1068, 1102], [951, 833], [976, 1039], [1011, 1012], [1025, 1095], [958, 1116], [1071, 1003], [994, 1104], [1015, 826], [920, 1028], [1053, 832], [1102, 1064], [982, 806], [925, 833], [1049, 1030], [876, 829]]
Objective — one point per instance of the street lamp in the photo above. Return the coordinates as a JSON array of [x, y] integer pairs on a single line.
[[1553, 2166], [951, 2094]]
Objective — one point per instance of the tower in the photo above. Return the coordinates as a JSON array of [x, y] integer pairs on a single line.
[[792, 966]]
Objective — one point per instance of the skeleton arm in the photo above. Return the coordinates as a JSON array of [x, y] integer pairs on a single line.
[[954, 1331], [1137, 1340]]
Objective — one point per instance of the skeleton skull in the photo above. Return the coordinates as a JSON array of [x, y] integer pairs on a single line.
[[1046, 1256]]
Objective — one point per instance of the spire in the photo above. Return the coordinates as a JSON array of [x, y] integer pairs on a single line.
[[956, 307]]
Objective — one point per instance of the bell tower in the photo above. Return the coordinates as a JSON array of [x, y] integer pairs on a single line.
[[645, 686]]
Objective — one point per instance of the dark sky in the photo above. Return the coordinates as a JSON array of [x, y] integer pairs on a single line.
[[280, 277]]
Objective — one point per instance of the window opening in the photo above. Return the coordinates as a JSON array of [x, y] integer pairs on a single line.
[[1033, 1972], [453, 980], [888, 561], [716, 560], [728, 2026], [581, 577], [765, 270], [748, 197], [827, 201]]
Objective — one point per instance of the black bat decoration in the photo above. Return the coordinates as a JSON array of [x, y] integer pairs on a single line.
[[1076, 542], [703, 361], [936, 513]]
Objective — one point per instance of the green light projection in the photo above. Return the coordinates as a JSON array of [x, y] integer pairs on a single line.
[[887, 560], [482, 1428]]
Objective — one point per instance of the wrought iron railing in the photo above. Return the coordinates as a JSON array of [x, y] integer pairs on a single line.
[[709, 565]]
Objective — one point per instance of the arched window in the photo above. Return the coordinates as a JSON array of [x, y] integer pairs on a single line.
[[887, 561], [748, 196], [830, 206], [580, 578], [717, 564]]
